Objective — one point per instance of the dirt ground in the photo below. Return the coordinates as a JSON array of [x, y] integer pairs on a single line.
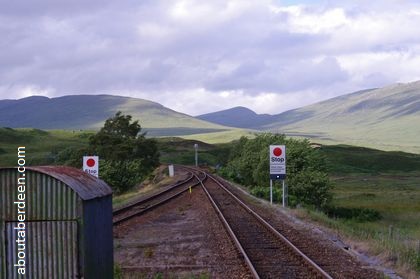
[[180, 239]]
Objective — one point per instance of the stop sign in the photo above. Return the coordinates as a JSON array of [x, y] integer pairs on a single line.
[[277, 159], [91, 165]]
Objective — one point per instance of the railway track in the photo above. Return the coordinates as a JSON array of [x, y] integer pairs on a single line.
[[139, 207], [266, 251]]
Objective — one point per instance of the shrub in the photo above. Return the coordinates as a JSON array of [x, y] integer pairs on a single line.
[[358, 214], [307, 177]]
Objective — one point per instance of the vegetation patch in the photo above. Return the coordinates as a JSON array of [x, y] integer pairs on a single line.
[[42, 147], [344, 159], [264, 193], [149, 252], [307, 177], [358, 214]]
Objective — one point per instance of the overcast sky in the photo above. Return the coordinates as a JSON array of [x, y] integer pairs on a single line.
[[202, 56]]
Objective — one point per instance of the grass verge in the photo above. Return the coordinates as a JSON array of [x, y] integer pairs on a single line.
[[395, 236]]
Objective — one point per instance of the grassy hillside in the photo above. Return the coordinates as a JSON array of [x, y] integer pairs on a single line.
[[41, 146], [180, 151], [220, 137], [90, 112], [385, 118], [382, 182], [342, 159]]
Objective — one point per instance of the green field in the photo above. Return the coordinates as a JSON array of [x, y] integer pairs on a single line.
[[42, 147], [181, 151], [395, 237], [387, 183], [396, 197], [384, 183], [220, 137]]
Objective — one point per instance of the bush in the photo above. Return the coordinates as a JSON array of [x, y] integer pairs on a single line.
[[358, 214], [121, 175], [127, 156], [264, 193], [307, 177]]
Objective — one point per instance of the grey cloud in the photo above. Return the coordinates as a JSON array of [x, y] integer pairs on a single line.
[[105, 46], [281, 76]]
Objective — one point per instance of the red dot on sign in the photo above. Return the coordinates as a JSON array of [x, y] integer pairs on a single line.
[[277, 151], [90, 163]]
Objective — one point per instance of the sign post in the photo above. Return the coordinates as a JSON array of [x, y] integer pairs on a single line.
[[196, 154], [271, 191], [284, 196], [277, 158], [91, 165]]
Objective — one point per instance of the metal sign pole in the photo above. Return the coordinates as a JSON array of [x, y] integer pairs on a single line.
[[271, 191], [284, 195], [196, 154]]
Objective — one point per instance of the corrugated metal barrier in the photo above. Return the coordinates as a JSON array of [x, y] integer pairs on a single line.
[[68, 224], [57, 239]]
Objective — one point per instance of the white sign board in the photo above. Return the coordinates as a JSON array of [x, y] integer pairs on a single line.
[[91, 165], [277, 162], [171, 170]]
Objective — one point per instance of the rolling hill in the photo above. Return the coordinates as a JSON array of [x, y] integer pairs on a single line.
[[385, 118], [88, 112], [239, 117]]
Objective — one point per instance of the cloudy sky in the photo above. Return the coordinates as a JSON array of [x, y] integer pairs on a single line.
[[201, 56]]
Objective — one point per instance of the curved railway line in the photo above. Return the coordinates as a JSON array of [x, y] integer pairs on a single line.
[[141, 206], [266, 251]]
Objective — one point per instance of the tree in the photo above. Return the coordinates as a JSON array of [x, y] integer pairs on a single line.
[[306, 168], [126, 155]]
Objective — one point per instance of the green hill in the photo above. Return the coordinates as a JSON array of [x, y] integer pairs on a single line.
[[239, 117], [387, 118], [88, 112]]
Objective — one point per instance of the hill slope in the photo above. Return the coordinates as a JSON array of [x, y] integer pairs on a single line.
[[90, 112], [239, 117], [387, 118]]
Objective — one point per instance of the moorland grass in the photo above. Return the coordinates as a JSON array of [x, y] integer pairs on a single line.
[[41, 146]]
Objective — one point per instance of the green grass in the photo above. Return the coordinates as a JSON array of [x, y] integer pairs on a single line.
[[181, 151], [41, 146], [220, 137], [383, 182], [350, 159], [395, 197], [179, 131]]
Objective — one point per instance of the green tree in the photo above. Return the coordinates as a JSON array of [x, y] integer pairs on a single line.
[[307, 177], [126, 155]]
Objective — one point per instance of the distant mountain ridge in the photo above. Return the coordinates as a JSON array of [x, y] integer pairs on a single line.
[[90, 112], [239, 117], [386, 118]]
